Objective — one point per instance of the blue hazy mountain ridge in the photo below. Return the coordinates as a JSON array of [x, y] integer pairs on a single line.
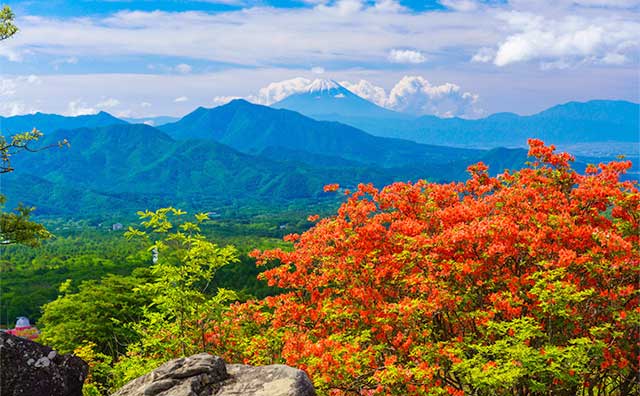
[[128, 167], [330, 98], [595, 121], [239, 153], [252, 129], [144, 166], [52, 122]]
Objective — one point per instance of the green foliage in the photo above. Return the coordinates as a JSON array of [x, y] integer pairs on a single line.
[[7, 28], [99, 377], [30, 277], [507, 360], [17, 227], [181, 307], [100, 312]]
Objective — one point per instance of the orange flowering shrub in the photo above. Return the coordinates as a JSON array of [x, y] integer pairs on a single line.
[[522, 284]]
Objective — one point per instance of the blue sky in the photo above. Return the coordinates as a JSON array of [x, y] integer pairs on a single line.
[[446, 57]]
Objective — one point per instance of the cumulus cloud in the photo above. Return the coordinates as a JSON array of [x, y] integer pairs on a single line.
[[571, 40], [180, 99], [412, 94], [276, 91], [416, 95], [368, 91], [406, 56], [78, 107]]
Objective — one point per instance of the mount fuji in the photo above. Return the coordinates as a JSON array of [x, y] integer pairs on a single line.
[[324, 98]]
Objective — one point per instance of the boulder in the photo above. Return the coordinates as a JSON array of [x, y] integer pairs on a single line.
[[208, 375], [274, 380], [29, 368]]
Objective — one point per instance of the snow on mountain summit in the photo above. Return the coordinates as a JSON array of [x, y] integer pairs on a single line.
[[322, 85]]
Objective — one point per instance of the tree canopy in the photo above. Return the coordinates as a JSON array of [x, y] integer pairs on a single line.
[[521, 284], [7, 27]]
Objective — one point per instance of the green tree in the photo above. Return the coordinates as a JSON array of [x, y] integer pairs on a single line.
[[16, 227], [182, 309], [100, 313], [7, 28]]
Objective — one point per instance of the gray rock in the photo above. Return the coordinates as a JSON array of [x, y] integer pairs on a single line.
[[274, 380], [207, 375], [28, 368]]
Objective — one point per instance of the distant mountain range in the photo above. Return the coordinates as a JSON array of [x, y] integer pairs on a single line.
[[253, 129], [53, 122], [238, 154], [243, 154], [596, 126]]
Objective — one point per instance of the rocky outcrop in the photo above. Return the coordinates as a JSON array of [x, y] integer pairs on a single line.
[[207, 375], [28, 368], [274, 380]]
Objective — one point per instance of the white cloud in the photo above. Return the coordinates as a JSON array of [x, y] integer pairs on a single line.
[[78, 107], [12, 108], [276, 91], [10, 88], [7, 87], [416, 95], [317, 70], [342, 31], [484, 55], [614, 59], [342, 8], [223, 100], [368, 91], [108, 103], [334, 31], [180, 99], [406, 56], [391, 6], [569, 40], [460, 5], [608, 3], [183, 68], [145, 104], [12, 54]]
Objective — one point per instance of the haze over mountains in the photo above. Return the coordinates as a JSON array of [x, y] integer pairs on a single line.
[[245, 154], [597, 124]]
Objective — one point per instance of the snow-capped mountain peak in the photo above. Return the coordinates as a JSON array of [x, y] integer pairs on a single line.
[[322, 86]]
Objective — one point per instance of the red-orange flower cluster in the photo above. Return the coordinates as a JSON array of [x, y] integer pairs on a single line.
[[522, 284]]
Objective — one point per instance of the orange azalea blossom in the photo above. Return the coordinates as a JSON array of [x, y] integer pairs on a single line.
[[430, 289]]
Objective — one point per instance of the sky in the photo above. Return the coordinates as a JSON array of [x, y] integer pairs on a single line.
[[467, 58]]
